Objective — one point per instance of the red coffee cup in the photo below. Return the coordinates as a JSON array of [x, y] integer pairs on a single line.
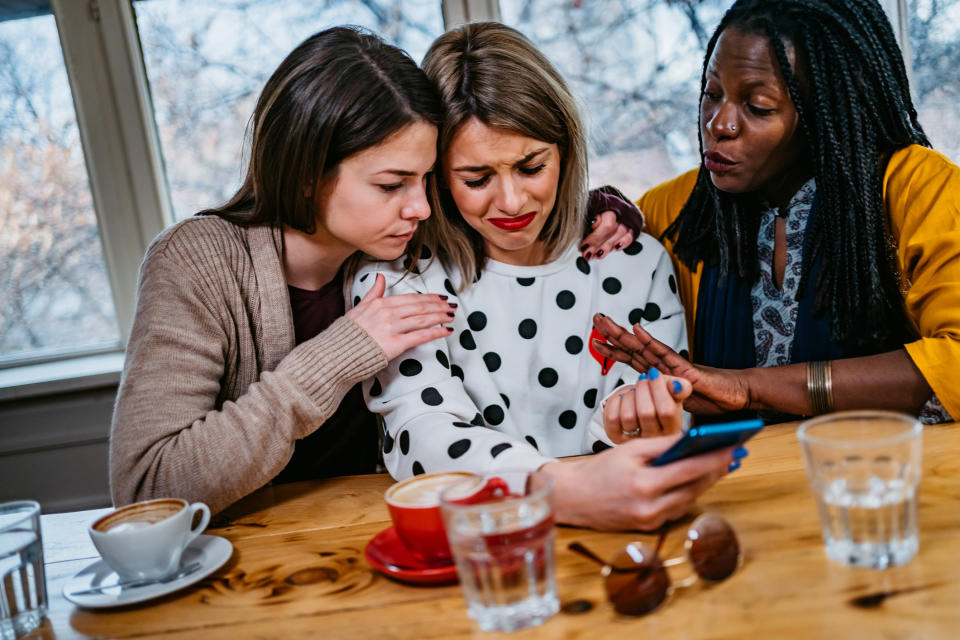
[[414, 506]]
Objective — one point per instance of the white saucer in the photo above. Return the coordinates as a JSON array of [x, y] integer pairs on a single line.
[[210, 551]]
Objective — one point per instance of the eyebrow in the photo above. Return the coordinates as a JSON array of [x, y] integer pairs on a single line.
[[525, 159], [403, 173]]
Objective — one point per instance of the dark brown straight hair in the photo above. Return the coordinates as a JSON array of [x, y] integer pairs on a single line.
[[339, 92]]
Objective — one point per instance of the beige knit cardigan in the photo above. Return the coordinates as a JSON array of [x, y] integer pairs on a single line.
[[214, 395]]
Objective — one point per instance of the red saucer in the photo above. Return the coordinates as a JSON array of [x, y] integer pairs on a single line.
[[387, 554]]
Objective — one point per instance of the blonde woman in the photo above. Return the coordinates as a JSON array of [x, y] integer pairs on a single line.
[[516, 385]]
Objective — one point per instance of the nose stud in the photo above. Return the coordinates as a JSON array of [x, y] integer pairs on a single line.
[[733, 127]]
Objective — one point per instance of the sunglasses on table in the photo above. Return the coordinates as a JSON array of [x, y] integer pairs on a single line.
[[636, 579]]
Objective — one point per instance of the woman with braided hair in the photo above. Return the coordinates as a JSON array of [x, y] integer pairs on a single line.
[[816, 245]]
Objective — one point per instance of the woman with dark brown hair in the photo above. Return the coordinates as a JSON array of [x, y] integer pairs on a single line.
[[242, 364]]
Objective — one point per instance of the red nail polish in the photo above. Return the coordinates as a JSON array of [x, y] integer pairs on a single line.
[[618, 245], [588, 255], [600, 253]]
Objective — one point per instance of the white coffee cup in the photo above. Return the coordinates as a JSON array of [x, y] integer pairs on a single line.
[[146, 539]]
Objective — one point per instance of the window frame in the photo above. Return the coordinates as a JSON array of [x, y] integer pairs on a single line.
[[131, 199]]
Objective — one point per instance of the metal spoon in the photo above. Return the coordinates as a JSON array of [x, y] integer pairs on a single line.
[[132, 584]]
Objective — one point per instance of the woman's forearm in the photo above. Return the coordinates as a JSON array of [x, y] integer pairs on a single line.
[[884, 381]]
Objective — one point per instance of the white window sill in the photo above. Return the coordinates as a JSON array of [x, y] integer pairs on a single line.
[[74, 374]]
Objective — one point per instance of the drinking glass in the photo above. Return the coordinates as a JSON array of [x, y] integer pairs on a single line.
[[864, 469], [502, 538], [23, 588]]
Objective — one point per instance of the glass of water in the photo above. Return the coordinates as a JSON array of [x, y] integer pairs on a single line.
[[864, 468], [23, 589], [502, 538]]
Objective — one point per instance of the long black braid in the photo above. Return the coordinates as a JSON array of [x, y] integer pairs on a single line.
[[856, 111]]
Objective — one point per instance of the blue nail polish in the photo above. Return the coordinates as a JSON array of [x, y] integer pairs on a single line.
[[677, 387], [642, 376], [740, 452], [653, 373], [733, 466], [620, 395]]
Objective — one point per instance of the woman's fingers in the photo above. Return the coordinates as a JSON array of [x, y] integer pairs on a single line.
[[613, 425], [604, 229], [620, 238]]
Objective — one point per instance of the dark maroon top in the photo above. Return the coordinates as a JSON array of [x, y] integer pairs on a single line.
[[346, 444]]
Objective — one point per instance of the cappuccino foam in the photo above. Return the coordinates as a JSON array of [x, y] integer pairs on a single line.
[[425, 491]]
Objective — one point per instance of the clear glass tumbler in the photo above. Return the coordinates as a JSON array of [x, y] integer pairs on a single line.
[[864, 469], [23, 587], [502, 538]]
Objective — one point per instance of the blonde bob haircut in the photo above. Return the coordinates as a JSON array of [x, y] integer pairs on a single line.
[[491, 72]]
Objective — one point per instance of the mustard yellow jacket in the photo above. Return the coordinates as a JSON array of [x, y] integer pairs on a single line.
[[921, 196]]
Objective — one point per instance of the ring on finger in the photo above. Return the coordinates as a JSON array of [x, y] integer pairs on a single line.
[[632, 433]]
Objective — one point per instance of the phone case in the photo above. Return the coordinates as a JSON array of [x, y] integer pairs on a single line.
[[709, 437]]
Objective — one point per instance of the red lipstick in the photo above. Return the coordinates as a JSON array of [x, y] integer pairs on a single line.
[[512, 224]]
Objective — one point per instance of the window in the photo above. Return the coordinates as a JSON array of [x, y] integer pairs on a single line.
[[934, 34], [635, 66], [208, 61], [54, 286], [163, 90]]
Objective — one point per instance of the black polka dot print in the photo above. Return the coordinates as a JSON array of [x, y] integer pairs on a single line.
[[619, 382], [532, 442], [506, 400], [500, 448], [684, 354], [611, 285], [375, 388], [525, 282], [363, 278], [566, 299], [418, 468], [651, 312], [477, 320], [527, 328], [492, 361], [548, 377], [458, 448], [442, 359], [449, 287], [573, 345], [477, 420], [457, 371], [636, 315], [410, 367], [467, 341], [406, 265], [599, 446], [431, 397], [356, 300], [590, 398], [463, 425], [387, 442], [633, 249], [673, 283], [493, 414], [405, 442], [583, 266], [425, 253], [568, 419]]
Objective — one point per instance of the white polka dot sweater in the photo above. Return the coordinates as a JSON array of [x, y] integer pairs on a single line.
[[516, 385]]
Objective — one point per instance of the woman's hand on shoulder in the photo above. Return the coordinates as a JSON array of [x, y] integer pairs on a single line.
[[653, 406], [618, 490], [607, 235], [403, 321]]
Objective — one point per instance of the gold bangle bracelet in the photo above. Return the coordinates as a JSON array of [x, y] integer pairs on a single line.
[[820, 387]]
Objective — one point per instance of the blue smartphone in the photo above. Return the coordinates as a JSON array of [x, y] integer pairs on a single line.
[[709, 437]]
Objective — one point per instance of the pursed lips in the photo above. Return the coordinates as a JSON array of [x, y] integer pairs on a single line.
[[514, 223], [717, 162]]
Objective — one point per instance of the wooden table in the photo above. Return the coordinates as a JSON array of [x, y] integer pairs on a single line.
[[298, 569]]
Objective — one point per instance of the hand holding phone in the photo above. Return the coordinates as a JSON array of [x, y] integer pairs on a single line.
[[709, 437]]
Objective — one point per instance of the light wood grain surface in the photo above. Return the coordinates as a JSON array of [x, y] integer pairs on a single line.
[[298, 569]]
